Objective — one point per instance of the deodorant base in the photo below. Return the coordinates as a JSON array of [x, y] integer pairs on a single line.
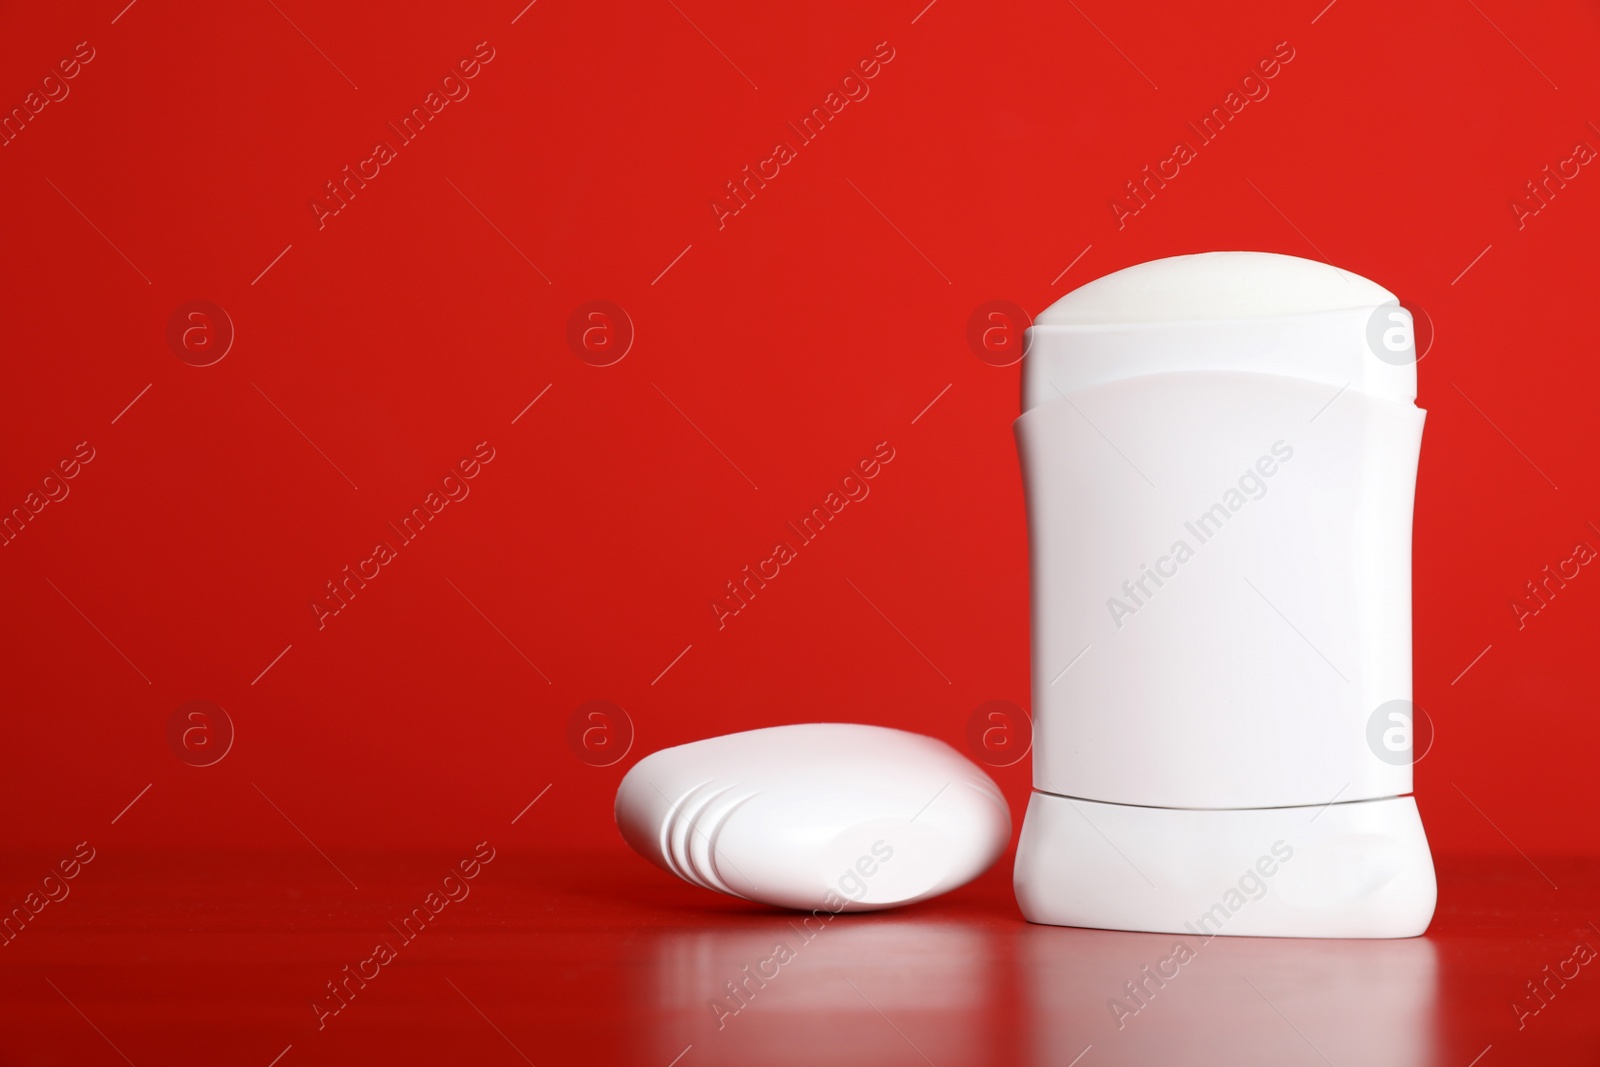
[[1355, 869]]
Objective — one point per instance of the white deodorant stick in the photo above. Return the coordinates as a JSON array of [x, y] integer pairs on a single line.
[[820, 815], [1220, 454]]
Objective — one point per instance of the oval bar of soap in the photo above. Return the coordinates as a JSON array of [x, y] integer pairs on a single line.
[[818, 815]]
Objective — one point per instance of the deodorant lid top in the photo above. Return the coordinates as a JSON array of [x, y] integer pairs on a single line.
[[1214, 285], [1258, 312]]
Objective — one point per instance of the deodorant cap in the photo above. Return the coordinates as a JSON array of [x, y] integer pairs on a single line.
[[1257, 312], [820, 815]]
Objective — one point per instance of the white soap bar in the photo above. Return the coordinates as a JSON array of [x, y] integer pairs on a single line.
[[819, 815]]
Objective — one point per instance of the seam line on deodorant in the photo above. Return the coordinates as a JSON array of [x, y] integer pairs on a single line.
[[1239, 372], [1095, 327], [1268, 807]]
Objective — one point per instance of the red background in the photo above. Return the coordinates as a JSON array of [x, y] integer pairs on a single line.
[[821, 320]]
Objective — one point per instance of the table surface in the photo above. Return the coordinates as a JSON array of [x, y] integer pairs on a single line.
[[594, 956]]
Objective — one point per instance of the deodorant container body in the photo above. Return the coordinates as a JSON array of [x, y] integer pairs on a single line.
[[1220, 454]]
